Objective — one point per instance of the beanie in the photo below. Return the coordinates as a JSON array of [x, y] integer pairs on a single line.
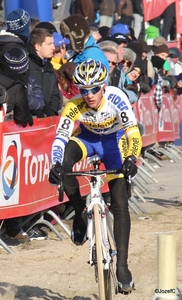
[[161, 49], [46, 25], [145, 47], [159, 40], [77, 29], [16, 59], [18, 22], [151, 32]]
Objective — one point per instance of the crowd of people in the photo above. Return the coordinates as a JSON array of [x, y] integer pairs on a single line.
[[98, 51]]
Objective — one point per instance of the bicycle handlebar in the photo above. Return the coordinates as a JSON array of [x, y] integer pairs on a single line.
[[85, 173]]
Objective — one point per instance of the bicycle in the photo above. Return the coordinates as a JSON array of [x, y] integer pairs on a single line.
[[99, 229]]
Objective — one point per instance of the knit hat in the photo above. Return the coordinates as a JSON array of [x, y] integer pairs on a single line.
[[16, 59], [18, 22], [161, 49], [145, 47], [151, 32], [159, 40], [59, 40], [46, 25], [77, 29], [119, 28], [136, 47]]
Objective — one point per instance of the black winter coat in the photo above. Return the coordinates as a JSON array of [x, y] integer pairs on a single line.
[[45, 77], [17, 99]]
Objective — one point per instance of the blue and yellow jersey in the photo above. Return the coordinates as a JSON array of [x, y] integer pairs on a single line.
[[114, 114]]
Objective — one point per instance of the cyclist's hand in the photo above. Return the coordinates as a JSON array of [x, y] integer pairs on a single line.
[[56, 174], [129, 167]]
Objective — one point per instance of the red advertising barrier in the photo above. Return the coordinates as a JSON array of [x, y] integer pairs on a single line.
[[25, 165], [25, 155], [147, 114]]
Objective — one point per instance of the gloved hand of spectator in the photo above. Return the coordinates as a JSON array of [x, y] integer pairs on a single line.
[[3, 95], [56, 174], [143, 87], [67, 70], [38, 113], [27, 120], [129, 167], [49, 112]]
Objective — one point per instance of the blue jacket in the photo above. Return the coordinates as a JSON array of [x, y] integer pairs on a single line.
[[92, 51]]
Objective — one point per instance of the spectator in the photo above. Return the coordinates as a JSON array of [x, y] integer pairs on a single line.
[[14, 64], [137, 16], [68, 89], [107, 9], [158, 59], [112, 57], [174, 55], [148, 67], [33, 23], [41, 48], [94, 29], [18, 23], [151, 32], [76, 28], [125, 12], [84, 8], [168, 27], [104, 31], [178, 65]]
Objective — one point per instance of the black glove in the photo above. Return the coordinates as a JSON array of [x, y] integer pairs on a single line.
[[28, 121], [56, 174], [38, 113], [49, 112], [144, 87], [129, 167]]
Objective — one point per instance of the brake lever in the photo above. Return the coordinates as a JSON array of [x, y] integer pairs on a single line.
[[61, 191]]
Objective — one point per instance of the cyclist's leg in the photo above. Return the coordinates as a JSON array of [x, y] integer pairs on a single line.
[[119, 206], [77, 149], [115, 150]]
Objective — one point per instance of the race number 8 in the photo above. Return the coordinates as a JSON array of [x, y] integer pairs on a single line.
[[124, 117], [66, 124]]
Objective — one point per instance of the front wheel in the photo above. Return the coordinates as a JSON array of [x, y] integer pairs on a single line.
[[104, 276]]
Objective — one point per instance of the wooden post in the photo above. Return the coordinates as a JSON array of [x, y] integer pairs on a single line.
[[166, 266]]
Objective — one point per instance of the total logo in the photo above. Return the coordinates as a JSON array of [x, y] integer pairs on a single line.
[[10, 169]]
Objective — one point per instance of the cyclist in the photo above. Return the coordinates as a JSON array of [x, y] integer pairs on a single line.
[[106, 122]]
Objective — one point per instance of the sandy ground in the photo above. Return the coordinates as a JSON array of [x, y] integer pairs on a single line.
[[53, 269]]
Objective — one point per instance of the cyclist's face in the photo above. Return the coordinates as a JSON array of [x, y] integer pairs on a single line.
[[93, 100]]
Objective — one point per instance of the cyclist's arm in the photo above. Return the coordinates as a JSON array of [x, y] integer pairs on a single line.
[[129, 123], [69, 116]]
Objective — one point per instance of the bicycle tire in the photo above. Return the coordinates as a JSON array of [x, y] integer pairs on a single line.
[[104, 276]]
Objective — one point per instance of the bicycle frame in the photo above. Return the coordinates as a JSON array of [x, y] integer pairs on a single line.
[[99, 230], [97, 199]]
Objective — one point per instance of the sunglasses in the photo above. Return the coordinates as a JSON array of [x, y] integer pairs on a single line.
[[126, 62], [112, 63], [93, 90]]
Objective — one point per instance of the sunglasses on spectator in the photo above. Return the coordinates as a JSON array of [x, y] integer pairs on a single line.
[[126, 62], [112, 63], [93, 90]]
